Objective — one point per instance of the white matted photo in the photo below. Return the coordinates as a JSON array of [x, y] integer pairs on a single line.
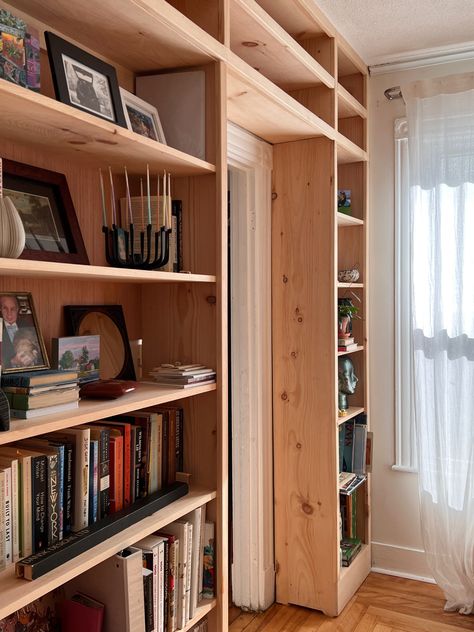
[[88, 88], [142, 117]]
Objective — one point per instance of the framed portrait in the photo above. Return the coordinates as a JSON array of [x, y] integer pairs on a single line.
[[84, 81], [45, 206], [108, 322], [142, 117], [22, 345]]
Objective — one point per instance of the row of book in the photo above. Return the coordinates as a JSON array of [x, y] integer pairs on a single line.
[[57, 484], [183, 376], [31, 394], [154, 586]]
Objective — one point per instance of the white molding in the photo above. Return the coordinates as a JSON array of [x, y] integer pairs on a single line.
[[422, 58], [402, 561], [253, 571], [418, 578]]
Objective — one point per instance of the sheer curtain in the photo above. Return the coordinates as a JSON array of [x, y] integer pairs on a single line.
[[441, 149]]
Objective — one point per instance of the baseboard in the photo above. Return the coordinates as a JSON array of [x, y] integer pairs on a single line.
[[400, 561]]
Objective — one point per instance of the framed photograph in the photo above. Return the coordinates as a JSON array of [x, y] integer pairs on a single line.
[[108, 322], [45, 206], [22, 345], [142, 117], [77, 353], [344, 201], [84, 81]]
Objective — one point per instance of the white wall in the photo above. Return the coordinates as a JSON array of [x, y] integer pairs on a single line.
[[396, 536]]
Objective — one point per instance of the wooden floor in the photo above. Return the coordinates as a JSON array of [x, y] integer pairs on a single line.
[[383, 604]]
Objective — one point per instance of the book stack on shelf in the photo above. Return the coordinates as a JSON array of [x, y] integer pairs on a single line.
[[347, 344], [36, 393], [183, 376], [55, 486]]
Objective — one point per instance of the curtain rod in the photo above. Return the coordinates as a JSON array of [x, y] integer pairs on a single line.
[[393, 93]]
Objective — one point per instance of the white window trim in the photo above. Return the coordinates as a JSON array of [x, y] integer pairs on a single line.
[[405, 440]]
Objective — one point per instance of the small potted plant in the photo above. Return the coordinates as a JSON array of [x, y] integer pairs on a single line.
[[346, 311]]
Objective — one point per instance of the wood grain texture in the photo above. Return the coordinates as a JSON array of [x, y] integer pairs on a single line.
[[320, 100], [382, 604], [354, 128], [303, 273]]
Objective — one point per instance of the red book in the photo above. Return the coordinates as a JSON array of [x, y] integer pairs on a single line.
[[116, 473], [82, 613], [125, 431]]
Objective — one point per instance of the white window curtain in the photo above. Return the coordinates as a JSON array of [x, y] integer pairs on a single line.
[[441, 148]]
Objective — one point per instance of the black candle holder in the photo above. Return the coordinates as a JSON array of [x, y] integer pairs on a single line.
[[120, 247]]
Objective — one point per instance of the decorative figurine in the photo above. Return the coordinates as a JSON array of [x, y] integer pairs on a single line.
[[347, 383]]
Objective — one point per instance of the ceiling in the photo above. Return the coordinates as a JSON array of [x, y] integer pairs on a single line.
[[386, 30]]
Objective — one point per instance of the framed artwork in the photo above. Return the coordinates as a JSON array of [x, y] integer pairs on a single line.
[[45, 206], [108, 322], [84, 81], [142, 117], [22, 345], [77, 353]]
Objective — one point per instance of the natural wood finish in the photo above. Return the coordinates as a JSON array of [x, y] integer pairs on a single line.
[[354, 128], [207, 14], [322, 48], [356, 85], [304, 382], [275, 53], [351, 577], [350, 253], [351, 412], [16, 593], [359, 348], [350, 285], [92, 410], [204, 608], [37, 120], [382, 604], [320, 100], [348, 105], [344, 220], [353, 177]]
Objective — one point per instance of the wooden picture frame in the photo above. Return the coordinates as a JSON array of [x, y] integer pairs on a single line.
[[107, 321], [142, 117], [44, 202], [84, 81], [22, 345]]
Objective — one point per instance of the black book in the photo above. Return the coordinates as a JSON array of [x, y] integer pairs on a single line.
[[39, 480], [180, 439], [41, 563], [67, 502], [148, 596], [165, 448]]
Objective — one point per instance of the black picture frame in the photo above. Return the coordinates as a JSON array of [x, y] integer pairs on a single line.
[[22, 346], [84, 81], [44, 203], [108, 321]]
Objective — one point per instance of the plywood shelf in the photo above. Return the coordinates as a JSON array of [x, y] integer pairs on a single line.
[[65, 271], [46, 124], [347, 220], [92, 410], [348, 152], [359, 348], [351, 577], [258, 39], [347, 105], [352, 411], [16, 593], [341, 286]]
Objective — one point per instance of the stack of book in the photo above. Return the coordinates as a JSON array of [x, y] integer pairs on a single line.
[[35, 393], [347, 344], [183, 376], [349, 549]]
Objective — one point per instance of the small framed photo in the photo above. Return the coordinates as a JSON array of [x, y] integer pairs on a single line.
[[84, 81], [77, 353], [344, 201], [44, 203], [142, 117], [22, 345]]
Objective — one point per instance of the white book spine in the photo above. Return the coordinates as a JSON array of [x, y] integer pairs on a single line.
[[15, 511], [182, 569], [155, 588], [2, 521], [161, 587], [8, 517], [189, 569], [200, 569]]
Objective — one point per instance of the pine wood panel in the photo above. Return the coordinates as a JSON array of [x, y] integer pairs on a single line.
[[274, 53], [320, 100], [323, 49], [207, 14], [303, 262], [350, 251], [355, 84], [354, 128], [353, 177], [382, 604], [16, 593], [347, 105]]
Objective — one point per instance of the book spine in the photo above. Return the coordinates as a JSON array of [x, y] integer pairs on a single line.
[[165, 449], [173, 557], [15, 510], [8, 517], [150, 562], [159, 452], [172, 447], [40, 507], [139, 478], [145, 456], [179, 440], [61, 482], [37, 565], [116, 474], [208, 587], [189, 561], [81, 481], [126, 467], [153, 455], [68, 506], [161, 587], [182, 572], [2, 521], [149, 602], [93, 480], [27, 506], [166, 587], [104, 473], [53, 496]]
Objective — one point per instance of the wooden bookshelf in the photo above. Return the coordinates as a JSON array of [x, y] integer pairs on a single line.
[[351, 412], [359, 348], [204, 608]]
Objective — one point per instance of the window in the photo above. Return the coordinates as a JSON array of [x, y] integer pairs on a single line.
[[405, 446]]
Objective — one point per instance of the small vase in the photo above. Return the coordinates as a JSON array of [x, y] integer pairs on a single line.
[[12, 232]]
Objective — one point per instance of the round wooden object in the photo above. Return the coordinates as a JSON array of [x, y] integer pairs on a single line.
[[112, 352]]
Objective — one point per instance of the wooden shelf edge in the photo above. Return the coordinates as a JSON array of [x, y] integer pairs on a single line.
[[268, 31], [352, 411], [89, 410], [16, 593], [38, 119], [50, 269], [351, 106], [347, 220], [349, 285], [204, 608], [359, 348], [348, 152]]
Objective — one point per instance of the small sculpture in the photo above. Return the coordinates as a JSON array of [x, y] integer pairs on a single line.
[[347, 382]]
